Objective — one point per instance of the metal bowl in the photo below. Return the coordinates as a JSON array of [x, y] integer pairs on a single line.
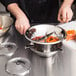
[[7, 49], [42, 30], [44, 48], [18, 66], [5, 22]]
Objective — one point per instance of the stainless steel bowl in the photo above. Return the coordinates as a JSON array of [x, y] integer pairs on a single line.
[[5, 22], [7, 49], [44, 48], [18, 66]]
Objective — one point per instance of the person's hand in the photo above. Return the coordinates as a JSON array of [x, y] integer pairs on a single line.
[[65, 14], [22, 24]]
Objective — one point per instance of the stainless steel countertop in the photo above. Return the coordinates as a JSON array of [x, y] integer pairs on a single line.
[[61, 64]]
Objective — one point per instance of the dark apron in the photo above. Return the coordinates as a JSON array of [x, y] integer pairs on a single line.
[[40, 11]]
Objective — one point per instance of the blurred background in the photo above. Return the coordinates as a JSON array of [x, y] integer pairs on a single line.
[[3, 10]]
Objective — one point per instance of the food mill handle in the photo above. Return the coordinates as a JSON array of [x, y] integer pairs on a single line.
[[26, 47]]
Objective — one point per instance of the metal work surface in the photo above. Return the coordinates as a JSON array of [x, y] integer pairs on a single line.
[[61, 64]]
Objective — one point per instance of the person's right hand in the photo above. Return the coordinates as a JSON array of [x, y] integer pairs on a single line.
[[22, 24], [65, 13]]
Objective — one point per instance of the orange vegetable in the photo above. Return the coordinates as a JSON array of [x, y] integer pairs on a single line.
[[52, 39], [71, 32], [48, 39], [71, 35]]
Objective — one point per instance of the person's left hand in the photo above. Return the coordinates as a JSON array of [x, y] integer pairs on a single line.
[[65, 14]]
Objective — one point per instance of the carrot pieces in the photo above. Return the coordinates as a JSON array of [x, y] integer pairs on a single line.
[[48, 39], [71, 32], [52, 39], [71, 35]]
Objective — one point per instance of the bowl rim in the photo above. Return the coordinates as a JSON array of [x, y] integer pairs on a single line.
[[33, 41]]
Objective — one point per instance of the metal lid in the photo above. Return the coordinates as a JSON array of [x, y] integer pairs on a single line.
[[7, 49], [18, 66], [44, 30]]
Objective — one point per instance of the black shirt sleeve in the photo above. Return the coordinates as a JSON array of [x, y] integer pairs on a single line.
[[7, 2]]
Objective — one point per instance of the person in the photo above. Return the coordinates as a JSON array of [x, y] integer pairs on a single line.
[[28, 12]]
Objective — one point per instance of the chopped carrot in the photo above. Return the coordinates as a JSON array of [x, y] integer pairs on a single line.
[[71, 32], [48, 39], [71, 35], [52, 39]]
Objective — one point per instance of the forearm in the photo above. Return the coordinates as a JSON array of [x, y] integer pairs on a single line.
[[22, 22], [15, 10], [68, 2]]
